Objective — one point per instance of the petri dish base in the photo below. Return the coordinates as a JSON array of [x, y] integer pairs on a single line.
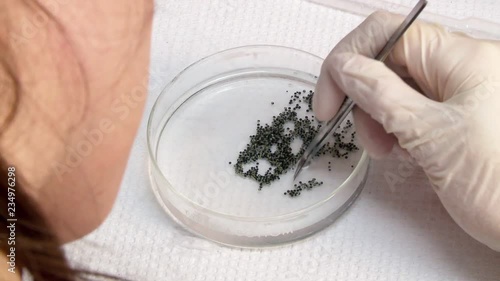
[[203, 119]]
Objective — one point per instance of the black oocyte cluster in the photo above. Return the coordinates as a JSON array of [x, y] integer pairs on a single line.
[[273, 143]]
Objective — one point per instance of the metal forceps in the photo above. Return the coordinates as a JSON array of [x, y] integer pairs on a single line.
[[322, 137]]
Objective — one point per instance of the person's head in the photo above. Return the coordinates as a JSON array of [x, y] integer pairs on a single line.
[[71, 96]]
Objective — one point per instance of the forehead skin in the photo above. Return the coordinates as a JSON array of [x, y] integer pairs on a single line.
[[79, 71]]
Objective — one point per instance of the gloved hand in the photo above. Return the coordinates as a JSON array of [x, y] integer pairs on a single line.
[[448, 121]]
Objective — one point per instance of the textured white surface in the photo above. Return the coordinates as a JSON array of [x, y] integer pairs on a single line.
[[390, 233]]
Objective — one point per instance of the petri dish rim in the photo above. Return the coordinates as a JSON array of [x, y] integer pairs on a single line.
[[152, 155]]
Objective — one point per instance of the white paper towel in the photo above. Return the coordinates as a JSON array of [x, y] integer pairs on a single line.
[[391, 233]]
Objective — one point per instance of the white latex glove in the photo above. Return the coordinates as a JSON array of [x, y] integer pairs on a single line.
[[448, 121]]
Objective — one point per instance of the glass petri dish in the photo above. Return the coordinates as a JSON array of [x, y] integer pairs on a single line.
[[200, 123]]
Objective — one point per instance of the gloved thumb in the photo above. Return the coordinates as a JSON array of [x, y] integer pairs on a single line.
[[383, 95]]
